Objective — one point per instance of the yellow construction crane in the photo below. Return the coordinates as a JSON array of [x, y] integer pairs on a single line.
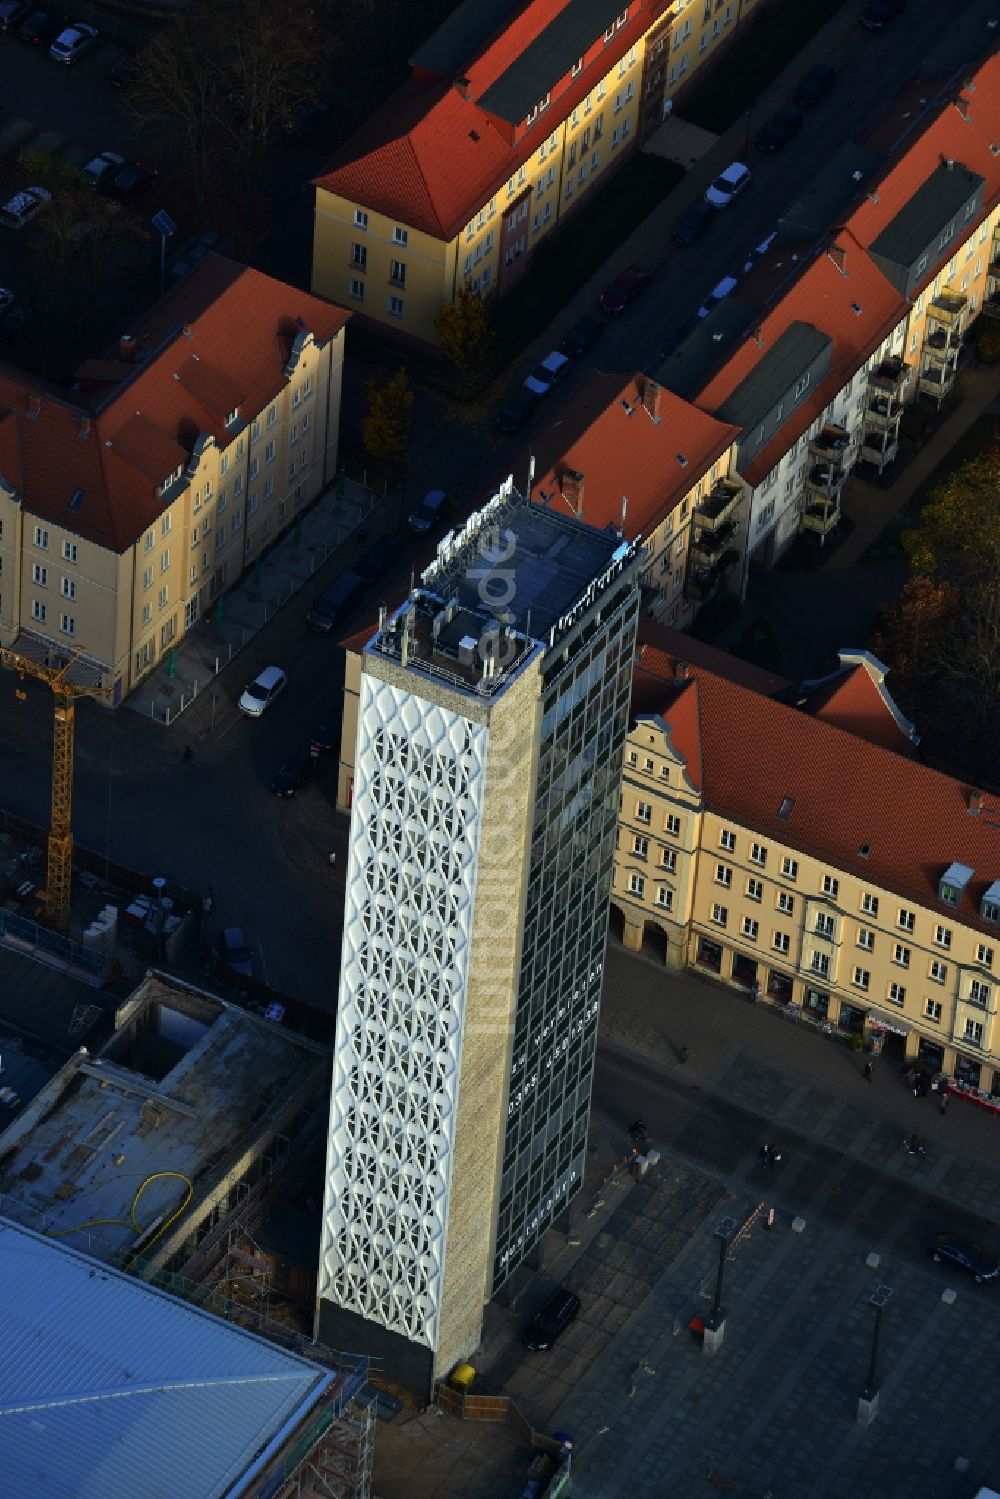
[[65, 692]]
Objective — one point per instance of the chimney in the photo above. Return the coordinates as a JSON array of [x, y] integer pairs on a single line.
[[838, 255], [84, 427], [571, 488], [187, 331], [649, 392], [34, 403], [964, 107], [974, 802], [126, 348], [758, 336], [681, 671], [464, 87]]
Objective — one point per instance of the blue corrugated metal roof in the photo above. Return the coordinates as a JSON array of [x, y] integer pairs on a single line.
[[110, 1389]]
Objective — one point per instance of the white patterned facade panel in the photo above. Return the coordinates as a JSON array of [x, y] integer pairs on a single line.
[[407, 932]]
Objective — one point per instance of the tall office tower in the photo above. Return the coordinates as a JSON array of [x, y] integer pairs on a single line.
[[491, 726]]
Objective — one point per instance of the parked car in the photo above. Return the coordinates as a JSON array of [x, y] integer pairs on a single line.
[[728, 185], [694, 223], [129, 181], [719, 291], [72, 42], [326, 735], [428, 512], [815, 86], [779, 130], [879, 13], [547, 373], [293, 775], [583, 335], [379, 559], [623, 291], [39, 29], [12, 13], [551, 1322], [23, 207], [101, 167], [960, 1251], [333, 601], [515, 412], [261, 692], [235, 952]]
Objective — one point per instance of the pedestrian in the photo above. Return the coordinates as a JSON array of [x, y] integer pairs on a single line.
[[943, 1105], [682, 1055], [755, 991], [188, 755], [332, 860], [208, 903], [869, 1072]]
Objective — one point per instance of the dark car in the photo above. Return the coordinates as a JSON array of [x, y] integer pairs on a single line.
[[815, 86], [130, 181], [326, 735], [694, 223], [623, 291], [582, 336], [428, 512], [514, 413], [39, 29], [779, 130], [960, 1251], [879, 13], [378, 561], [548, 1325], [332, 603], [12, 12], [293, 775], [235, 952]]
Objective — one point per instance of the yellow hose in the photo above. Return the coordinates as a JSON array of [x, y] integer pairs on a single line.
[[132, 1222]]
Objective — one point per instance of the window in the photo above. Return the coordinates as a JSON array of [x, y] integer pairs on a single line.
[[165, 525], [255, 431], [164, 561], [195, 534], [979, 993], [147, 578], [396, 306], [720, 915], [633, 758], [640, 846], [750, 928], [268, 488], [824, 924], [162, 597], [984, 955], [360, 219], [901, 955], [821, 964], [41, 538], [674, 826], [67, 624], [897, 993], [830, 886], [790, 869], [866, 939], [862, 978], [68, 588], [990, 912], [397, 272], [38, 610], [643, 812], [782, 942], [905, 920], [974, 1032], [40, 575], [400, 236], [786, 903], [268, 455], [727, 840], [932, 1009], [636, 885], [942, 936], [648, 766], [147, 614], [938, 971], [802, 386], [723, 875], [356, 289], [664, 898], [254, 467], [69, 551], [755, 890], [869, 904], [293, 433], [758, 854], [668, 859]]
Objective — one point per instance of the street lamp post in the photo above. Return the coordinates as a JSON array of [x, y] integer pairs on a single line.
[[715, 1322], [868, 1399]]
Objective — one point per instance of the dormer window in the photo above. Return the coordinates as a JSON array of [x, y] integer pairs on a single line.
[[233, 417], [952, 884], [171, 480], [989, 910]]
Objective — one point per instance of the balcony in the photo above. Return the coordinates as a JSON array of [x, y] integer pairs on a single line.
[[831, 445], [936, 380], [991, 304], [821, 517], [949, 309], [704, 581], [882, 412], [942, 345], [718, 507], [890, 378], [710, 545], [825, 481], [878, 447]]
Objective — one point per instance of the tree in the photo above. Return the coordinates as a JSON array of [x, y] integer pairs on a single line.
[[465, 329], [386, 427], [958, 539]]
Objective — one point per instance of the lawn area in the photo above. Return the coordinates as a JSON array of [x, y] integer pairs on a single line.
[[762, 48], [980, 436]]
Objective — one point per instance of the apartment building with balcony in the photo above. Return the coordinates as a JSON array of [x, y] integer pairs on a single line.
[[874, 910], [132, 501], [512, 114]]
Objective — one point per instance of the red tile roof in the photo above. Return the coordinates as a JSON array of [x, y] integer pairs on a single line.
[[356, 643], [846, 792], [626, 454], [666, 653], [225, 330], [430, 158], [857, 699], [825, 297]]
